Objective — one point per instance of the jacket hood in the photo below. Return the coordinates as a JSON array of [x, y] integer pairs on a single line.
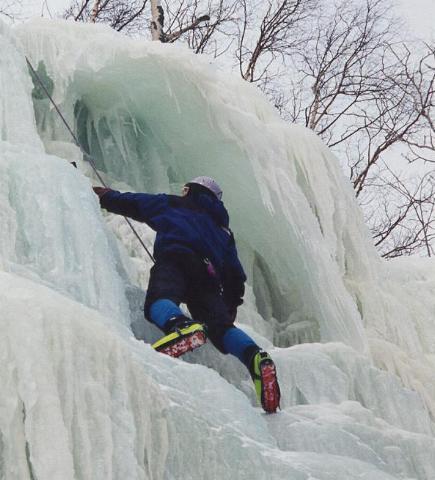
[[214, 207]]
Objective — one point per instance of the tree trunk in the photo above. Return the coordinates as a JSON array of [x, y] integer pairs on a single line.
[[157, 21], [95, 10]]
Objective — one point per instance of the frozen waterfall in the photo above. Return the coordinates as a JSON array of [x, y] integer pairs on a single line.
[[82, 396]]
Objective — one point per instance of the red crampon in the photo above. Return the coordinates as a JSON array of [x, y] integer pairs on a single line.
[[182, 341]]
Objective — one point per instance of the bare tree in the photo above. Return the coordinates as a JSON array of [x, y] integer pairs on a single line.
[[206, 26], [402, 215], [132, 16], [422, 145], [122, 15], [77, 10], [401, 115], [343, 66], [11, 8], [398, 126], [364, 93], [277, 35]]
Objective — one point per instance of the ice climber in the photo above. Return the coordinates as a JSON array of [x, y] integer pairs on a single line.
[[196, 263]]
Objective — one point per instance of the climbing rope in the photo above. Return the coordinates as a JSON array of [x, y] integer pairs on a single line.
[[85, 155]]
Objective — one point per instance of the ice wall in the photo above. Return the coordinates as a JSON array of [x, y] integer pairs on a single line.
[[155, 116], [52, 230], [73, 393], [81, 398]]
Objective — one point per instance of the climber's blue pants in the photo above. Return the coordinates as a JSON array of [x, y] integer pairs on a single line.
[[181, 278]]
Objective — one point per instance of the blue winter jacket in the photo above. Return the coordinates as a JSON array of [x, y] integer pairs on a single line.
[[196, 224]]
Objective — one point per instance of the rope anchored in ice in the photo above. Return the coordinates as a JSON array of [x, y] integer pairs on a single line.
[[85, 155]]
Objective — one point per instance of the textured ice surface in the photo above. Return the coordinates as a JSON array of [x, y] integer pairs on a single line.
[[155, 117], [81, 397], [76, 401]]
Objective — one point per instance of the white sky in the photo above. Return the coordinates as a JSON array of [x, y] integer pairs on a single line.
[[419, 14]]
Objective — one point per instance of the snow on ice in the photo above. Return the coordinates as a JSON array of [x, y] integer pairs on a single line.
[[82, 398]]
